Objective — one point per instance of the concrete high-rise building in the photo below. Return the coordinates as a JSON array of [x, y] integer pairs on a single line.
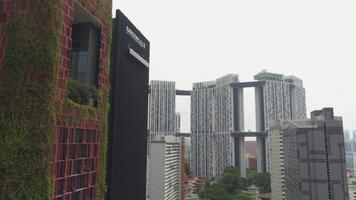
[[182, 167], [228, 117], [314, 158], [284, 97], [275, 134], [212, 120], [349, 150], [177, 122], [202, 128], [217, 119], [281, 97], [182, 158], [250, 147], [164, 122], [162, 105], [347, 135], [165, 169]]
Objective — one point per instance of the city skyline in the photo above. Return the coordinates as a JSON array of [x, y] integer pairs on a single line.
[[317, 46], [160, 107], [217, 113]]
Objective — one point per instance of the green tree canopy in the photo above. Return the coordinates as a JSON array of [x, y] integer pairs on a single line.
[[242, 197], [214, 192], [263, 181], [231, 184]]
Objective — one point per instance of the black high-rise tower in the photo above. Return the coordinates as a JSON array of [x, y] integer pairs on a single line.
[[128, 111]]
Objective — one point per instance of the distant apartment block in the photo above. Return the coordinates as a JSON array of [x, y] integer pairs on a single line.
[[211, 124], [162, 114], [217, 119], [182, 167], [250, 147], [350, 150], [164, 123], [347, 135], [282, 97], [177, 122], [251, 162], [276, 156], [312, 164], [250, 155], [164, 169]]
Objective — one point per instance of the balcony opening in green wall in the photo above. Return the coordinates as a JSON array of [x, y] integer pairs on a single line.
[[83, 82]]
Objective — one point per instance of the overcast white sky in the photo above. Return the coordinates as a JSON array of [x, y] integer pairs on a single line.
[[198, 40]]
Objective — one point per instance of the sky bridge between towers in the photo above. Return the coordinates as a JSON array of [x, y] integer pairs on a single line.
[[238, 133]]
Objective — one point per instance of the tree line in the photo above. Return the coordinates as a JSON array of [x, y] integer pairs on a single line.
[[231, 185]]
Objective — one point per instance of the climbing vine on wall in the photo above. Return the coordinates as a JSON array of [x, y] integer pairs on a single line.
[[27, 115], [103, 95]]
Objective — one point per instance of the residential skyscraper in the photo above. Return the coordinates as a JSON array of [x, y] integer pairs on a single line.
[[53, 116], [164, 123], [282, 97], [212, 120], [314, 158], [217, 114], [162, 105], [228, 117], [165, 169], [202, 128]]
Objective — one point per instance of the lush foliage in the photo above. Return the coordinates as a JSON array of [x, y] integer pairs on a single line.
[[231, 185], [215, 192], [28, 109], [27, 115], [232, 181], [81, 93], [261, 180]]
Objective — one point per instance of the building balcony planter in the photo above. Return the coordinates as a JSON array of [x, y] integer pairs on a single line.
[[82, 94]]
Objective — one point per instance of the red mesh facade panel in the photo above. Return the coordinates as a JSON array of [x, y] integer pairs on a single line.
[[78, 132], [77, 160]]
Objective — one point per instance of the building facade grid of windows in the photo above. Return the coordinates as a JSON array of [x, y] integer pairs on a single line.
[[283, 98], [314, 158], [165, 169], [211, 124], [162, 115]]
